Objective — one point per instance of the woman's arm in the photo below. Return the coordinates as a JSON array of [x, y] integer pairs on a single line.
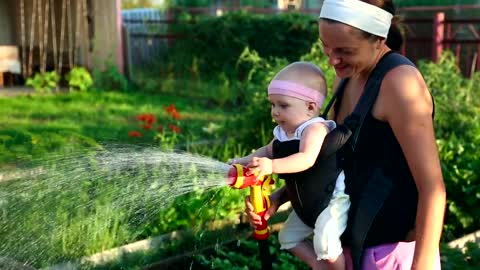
[[405, 103]]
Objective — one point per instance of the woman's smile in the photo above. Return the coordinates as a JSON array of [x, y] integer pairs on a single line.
[[340, 67]]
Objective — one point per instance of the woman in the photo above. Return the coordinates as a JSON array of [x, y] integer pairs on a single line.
[[398, 131]]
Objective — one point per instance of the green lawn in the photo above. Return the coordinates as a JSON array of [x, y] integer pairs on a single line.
[[71, 204], [31, 126]]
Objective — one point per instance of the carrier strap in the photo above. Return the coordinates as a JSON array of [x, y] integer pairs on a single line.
[[377, 190], [388, 62]]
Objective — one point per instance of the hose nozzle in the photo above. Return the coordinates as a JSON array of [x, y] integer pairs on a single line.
[[241, 177]]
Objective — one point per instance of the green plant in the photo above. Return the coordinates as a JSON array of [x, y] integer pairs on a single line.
[[43, 83], [457, 126], [166, 134], [109, 78], [79, 79], [455, 258], [215, 43], [243, 254]]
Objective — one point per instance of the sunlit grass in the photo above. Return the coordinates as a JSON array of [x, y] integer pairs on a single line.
[[76, 211], [33, 125]]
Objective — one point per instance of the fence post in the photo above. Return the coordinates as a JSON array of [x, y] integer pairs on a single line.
[[119, 22], [127, 48], [477, 65], [170, 17], [438, 35]]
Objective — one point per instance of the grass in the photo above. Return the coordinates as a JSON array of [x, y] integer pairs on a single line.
[[47, 219], [33, 125]]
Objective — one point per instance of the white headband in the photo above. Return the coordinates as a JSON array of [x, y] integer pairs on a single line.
[[358, 14]]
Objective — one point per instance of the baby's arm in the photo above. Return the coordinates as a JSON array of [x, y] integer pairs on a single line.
[[264, 151], [310, 145]]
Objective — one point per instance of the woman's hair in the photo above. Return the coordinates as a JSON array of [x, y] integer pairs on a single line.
[[395, 37]]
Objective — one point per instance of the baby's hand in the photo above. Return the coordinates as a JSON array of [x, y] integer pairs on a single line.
[[261, 166]]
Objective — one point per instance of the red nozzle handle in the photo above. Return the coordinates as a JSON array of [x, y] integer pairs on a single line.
[[241, 177], [261, 231]]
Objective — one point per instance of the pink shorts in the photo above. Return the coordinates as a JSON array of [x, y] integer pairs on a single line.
[[395, 256]]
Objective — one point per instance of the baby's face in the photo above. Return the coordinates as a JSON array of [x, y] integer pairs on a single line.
[[289, 112]]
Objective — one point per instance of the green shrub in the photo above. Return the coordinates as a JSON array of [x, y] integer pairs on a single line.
[[217, 42], [44, 83], [110, 78], [454, 258], [457, 126], [79, 79]]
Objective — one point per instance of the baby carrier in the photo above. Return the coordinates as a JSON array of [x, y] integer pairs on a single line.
[[345, 135]]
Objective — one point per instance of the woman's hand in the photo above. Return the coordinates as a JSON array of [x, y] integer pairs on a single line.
[[255, 219]]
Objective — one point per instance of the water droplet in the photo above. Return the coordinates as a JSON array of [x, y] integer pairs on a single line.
[[97, 190]]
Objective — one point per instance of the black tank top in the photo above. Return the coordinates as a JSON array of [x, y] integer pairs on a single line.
[[377, 147], [309, 191]]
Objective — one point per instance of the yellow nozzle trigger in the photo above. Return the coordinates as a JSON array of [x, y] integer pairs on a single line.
[[240, 178], [267, 187]]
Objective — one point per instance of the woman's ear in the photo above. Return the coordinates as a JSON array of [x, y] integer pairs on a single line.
[[380, 42]]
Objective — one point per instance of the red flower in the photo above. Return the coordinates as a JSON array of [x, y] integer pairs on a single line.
[[147, 126], [176, 115], [134, 133], [147, 118], [175, 128], [172, 110]]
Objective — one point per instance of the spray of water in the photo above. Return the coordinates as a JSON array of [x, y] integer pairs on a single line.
[[44, 210]]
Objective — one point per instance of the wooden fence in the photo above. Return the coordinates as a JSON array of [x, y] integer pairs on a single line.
[[146, 35], [441, 28]]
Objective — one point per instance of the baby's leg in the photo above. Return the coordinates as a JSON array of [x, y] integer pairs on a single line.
[[305, 252], [292, 237], [335, 263], [329, 226]]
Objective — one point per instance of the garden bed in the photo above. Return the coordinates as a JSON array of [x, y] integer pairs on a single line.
[[214, 235]]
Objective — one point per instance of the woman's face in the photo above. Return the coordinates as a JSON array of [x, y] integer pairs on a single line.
[[348, 51]]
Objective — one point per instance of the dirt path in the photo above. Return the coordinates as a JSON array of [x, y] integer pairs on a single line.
[[15, 91]]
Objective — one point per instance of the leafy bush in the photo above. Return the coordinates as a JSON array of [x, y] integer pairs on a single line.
[[244, 255], [44, 83], [453, 258], [79, 79], [457, 125], [110, 78], [213, 44]]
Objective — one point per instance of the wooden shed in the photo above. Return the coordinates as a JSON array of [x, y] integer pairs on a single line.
[[44, 35]]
